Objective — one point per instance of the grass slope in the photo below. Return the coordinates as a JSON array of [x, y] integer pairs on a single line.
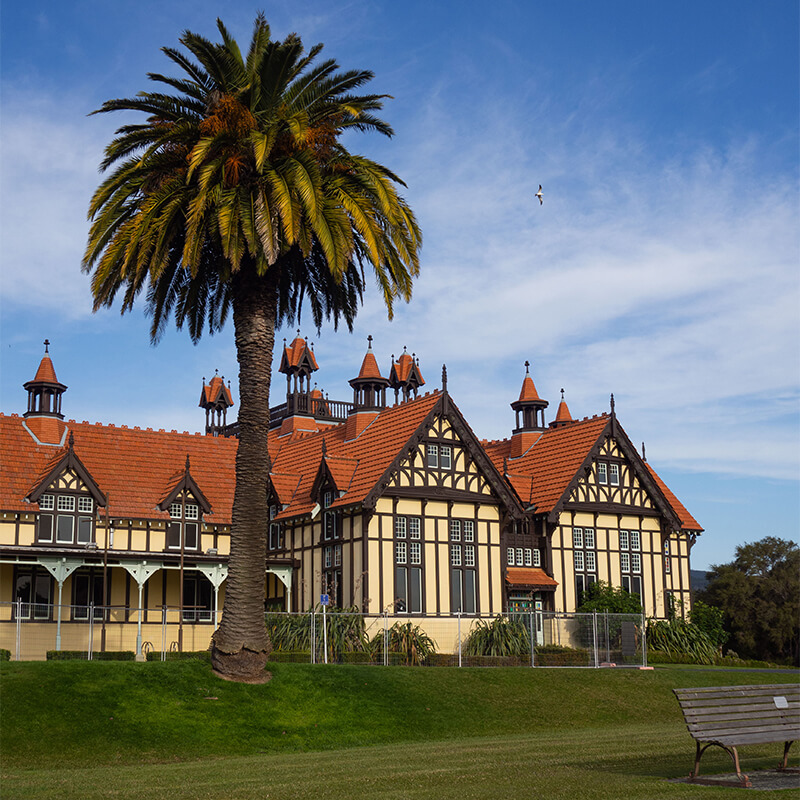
[[72, 729]]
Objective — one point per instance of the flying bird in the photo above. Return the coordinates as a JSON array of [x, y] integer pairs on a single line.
[[539, 194]]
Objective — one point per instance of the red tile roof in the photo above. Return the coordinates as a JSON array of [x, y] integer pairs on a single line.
[[293, 355], [688, 522], [48, 430], [134, 466], [563, 415], [528, 391], [215, 389], [369, 367], [530, 576], [552, 461], [368, 456], [46, 372]]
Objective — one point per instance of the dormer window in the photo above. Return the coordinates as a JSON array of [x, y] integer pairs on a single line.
[[183, 529], [330, 519], [71, 524], [274, 541], [613, 474], [602, 472], [440, 456]]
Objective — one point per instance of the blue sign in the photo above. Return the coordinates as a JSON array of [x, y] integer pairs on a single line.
[[325, 599]]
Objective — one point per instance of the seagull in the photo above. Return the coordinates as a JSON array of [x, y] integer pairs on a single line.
[[539, 194]]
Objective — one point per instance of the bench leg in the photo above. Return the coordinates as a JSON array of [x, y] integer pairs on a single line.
[[694, 775], [783, 766]]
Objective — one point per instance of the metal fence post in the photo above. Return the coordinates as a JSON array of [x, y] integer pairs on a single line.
[[533, 641], [608, 640], [385, 637], [644, 642], [594, 636], [90, 643], [459, 638], [163, 633], [19, 629], [313, 647]]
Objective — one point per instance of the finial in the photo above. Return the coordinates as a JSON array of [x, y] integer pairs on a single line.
[[612, 402], [404, 349], [444, 377], [324, 448], [527, 364], [46, 345], [392, 358], [562, 395], [505, 465], [298, 332], [369, 340], [644, 454], [187, 463], [71, 440]]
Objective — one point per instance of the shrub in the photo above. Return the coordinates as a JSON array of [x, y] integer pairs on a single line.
[[408, 644], [82, 655], [5, 655], [290, 656], [677, 637], [555, 655], [500, 637], [175, 655]]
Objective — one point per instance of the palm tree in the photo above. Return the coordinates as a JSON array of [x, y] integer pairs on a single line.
[[237, 194]]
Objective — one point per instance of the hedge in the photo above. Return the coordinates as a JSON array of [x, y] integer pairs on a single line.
[[82, 655], [175, 655]]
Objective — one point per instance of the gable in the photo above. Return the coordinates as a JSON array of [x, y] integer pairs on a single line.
[[612, 479], [440, 463]]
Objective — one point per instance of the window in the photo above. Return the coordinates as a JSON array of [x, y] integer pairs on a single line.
[[528, 557], [584, 558], [602, 472], [511, 560], [330, 520], [198, 596], [440, 456], [537, 557], [33, 588], [275, 534], [613, 474], [630, 561], [183, 529], [87, 591], [408, 565], [667, 564], [463, 558], [433, 456], [73, 522]]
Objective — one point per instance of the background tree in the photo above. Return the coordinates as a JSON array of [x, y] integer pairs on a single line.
[[759, 594], [710, 620], [237, 195], [602, 596]]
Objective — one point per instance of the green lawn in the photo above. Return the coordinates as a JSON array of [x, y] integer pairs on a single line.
[[123, 730]]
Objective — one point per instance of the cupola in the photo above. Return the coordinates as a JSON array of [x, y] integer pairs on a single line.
[[405, 376], [298, 363], [369, 395], [44, 391], [529, 409], [216, 399], [563, 417]]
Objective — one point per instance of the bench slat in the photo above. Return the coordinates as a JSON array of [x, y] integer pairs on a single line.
[[729, 690], [714, 715], [792, 712], [739, 701], [739, 741], [731, 730]]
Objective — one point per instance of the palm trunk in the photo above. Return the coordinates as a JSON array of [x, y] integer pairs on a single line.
[[241, 644]]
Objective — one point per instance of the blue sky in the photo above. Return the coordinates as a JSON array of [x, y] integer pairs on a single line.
[[662, 266]]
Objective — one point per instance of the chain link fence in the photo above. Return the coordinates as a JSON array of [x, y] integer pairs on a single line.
[[325, 636]]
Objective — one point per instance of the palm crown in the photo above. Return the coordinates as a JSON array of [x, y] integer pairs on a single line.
[[242, 167]]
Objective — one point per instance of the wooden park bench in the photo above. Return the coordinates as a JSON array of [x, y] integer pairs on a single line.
[[733, 716]]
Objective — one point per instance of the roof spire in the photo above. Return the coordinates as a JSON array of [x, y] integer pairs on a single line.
[[562, 415]]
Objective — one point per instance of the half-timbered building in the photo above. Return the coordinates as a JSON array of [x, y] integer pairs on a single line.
[[380, 505]]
